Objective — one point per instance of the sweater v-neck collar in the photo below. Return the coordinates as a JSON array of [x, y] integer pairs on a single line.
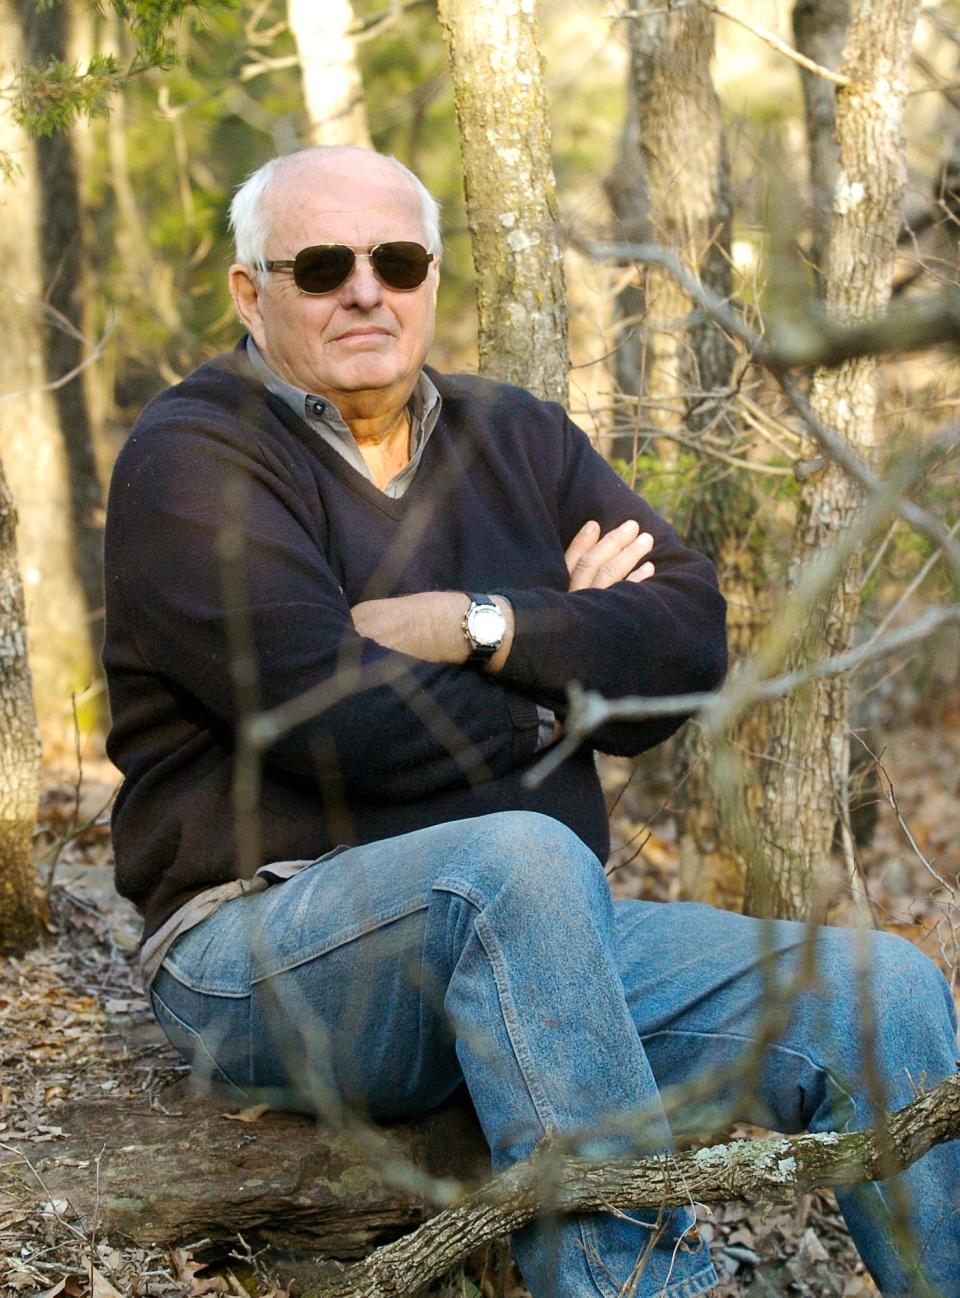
[[395, 507]]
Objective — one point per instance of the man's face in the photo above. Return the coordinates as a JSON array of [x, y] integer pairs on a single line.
[[361, 345]]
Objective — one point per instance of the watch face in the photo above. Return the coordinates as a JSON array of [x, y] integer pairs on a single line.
[[486, 624]]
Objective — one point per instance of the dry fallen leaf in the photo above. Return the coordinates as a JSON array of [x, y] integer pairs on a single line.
[[58, 1288], [91, 1283], [253, 1114], [186, 1270]]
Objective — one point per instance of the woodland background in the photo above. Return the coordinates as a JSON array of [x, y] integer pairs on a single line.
[[683, 127]]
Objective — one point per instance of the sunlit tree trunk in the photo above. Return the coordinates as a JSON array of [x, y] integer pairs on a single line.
[[820, 32], [67, 289], [32, 445], [806, 774], [332, 88], [680, 154], [510, 191], [19, 751]]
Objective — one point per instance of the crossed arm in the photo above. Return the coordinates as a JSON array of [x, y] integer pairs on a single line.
[[428, 625]]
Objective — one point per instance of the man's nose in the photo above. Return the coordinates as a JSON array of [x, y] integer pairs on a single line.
[[362, 289]]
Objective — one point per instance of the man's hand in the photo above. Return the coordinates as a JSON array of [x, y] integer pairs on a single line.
[[595, 562], [428, 625]]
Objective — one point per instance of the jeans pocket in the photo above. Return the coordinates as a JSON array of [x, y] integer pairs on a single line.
[[189, 1043]]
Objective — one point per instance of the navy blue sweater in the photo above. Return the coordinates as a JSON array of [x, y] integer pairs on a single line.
[[397, 743]]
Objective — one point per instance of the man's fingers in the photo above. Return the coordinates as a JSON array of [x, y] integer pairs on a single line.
[[642, 573], [613, 558], [581, 543]]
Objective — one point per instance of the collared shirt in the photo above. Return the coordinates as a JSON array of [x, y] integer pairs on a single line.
[[327, 422]]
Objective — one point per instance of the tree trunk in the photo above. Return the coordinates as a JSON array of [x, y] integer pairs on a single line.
[[19, 751], [332, 88], [820, 32], [680, 155], [510, 192], [673, 189], [626, 188], [67, 290], [808, 758], [32, 445]]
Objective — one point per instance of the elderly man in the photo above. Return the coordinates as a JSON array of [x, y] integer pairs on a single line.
[[403, 570]]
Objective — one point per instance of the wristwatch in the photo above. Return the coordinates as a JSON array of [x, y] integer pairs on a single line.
[[484, 627]]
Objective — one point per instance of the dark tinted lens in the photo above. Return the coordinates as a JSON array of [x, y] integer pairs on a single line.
[[323, 268], [401, 265]]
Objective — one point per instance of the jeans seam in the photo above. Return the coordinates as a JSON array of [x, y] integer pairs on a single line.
[[511, 1020], [774, 1045], [343, 938], [215, 1068]]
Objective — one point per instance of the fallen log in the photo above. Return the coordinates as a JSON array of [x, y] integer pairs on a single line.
[[189, 1172]]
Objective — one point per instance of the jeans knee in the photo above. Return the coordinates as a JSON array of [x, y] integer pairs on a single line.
[[538, 858], [914, 1023], [908, 985]]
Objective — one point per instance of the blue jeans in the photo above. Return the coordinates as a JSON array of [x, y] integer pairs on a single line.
[[490, 951]]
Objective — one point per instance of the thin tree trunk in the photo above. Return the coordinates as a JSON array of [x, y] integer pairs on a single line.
[[820, 32], [32, 444], [510, 191], [19, 750], [808, 758], [680, 154], [62, 263], [626, 188], [332, 88], [673, 189]]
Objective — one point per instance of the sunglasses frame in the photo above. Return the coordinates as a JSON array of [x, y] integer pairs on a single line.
[[314, 247]]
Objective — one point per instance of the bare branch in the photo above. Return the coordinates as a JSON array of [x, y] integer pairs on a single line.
[[760, 32], [588, 711], [775, 1170], [778, 361], [776, 43]]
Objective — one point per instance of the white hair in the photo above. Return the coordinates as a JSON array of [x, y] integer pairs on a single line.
[[251, 225]]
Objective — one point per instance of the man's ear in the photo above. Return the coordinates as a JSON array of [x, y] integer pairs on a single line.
[[245, 291]]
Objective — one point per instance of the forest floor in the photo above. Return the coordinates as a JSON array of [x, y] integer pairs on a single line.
[[67, 1009]]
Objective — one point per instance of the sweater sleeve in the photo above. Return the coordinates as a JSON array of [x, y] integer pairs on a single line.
[[386, 726], [662, 636]]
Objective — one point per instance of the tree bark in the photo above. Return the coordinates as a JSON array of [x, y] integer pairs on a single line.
[[19, 751], [32, 444], [185, 1170], [808, 757], [776, 1170], [820, 32], [680, 156], [67, 289], [332, 87], [510, 191], [626, 188], [671, 187]]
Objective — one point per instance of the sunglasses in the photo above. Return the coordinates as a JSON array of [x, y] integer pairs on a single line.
[[325, 266]]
